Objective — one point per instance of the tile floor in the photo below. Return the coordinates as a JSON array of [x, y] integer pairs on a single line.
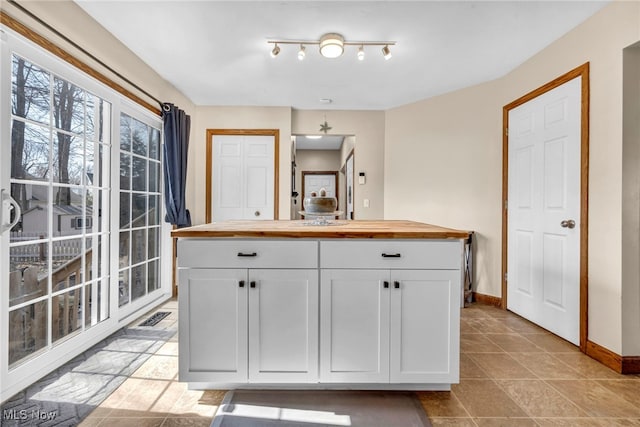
[[512, 374]]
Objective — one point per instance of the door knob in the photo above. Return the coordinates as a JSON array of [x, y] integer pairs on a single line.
[[568, 223], [257, 213]]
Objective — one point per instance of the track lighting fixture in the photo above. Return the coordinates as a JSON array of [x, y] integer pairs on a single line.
[[331, 45], [275, 51]]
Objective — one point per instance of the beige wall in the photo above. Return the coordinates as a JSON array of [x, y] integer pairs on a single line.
[[367, 127], [443, 166], [236, 118], [462, 130]]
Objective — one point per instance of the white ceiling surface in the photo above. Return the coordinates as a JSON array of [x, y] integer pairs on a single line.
[[325, 142], [216, 52]]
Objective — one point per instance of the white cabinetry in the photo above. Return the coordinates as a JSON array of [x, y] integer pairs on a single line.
[[365, 313], [392, 322], [242, 325]]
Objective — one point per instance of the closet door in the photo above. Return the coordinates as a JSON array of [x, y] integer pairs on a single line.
[[243, 177]]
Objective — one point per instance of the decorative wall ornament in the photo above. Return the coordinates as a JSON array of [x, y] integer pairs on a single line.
[[324, 127]]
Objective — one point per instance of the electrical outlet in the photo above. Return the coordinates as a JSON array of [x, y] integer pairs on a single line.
[[366, 203]]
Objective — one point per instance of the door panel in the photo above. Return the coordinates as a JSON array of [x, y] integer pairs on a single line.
[[243, 177], [209, 299], [423, 340], [283, 326], [354, 326], [544, 190]]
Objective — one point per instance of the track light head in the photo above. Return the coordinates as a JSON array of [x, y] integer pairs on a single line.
[[301, 52], [361, 53], [275, 51], [386, 52]]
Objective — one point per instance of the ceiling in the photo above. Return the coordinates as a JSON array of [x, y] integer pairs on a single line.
[[216, 52], [319, 142]]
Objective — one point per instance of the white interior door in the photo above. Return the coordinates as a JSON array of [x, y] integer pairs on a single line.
[[543, 267], [243, 177], [349, 187], [314, 182]]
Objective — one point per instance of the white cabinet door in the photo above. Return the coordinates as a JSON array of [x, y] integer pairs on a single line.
[[283, 326], [213, 325], [424, 345], [354, 326]]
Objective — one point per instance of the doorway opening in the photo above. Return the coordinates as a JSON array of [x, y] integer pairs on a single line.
[[315, 156]]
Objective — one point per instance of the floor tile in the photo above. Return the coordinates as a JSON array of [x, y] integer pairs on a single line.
[[628, 390], [505, 422], [187, 422], [514, 342], [197, 403], [453, 422], [483, 398], [587, 366], [466, 328], [501, 365], [469, 368], [477, 343], [133, 422], [441, 404], [538, 399], [520, 325], [588, 422], [488, 325], [552, 343], [546, 366], [594, 399], [158, 367]]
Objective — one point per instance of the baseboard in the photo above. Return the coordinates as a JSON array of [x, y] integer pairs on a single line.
[[620, 364], [487, 299]]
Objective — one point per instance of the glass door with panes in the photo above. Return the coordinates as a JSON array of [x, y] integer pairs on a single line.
[[60, 179]]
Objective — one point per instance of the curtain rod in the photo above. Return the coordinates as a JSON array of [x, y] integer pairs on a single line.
[[83, 50]]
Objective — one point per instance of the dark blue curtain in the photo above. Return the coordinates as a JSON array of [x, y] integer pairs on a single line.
[[176, 145]]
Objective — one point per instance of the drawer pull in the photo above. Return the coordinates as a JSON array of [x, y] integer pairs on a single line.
[[391, 255], [241, 283], [396, 285], [386, 284], [252, 284], [242, 254]]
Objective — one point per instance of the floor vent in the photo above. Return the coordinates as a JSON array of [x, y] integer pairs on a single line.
[[155, 318]]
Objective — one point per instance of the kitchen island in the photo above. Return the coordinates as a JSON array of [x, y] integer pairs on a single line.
[[351, 305]]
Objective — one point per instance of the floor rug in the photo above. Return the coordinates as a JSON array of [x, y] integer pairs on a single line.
[[311, 408]]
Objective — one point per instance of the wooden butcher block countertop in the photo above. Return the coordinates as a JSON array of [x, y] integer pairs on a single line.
[[357, 229]]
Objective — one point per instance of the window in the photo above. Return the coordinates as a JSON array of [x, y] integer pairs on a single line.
[[139, 209]]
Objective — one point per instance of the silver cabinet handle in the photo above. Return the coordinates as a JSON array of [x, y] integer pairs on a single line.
[[568, 223], [6, 198]]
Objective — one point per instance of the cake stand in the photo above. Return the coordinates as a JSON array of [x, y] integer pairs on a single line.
[[321, 218]]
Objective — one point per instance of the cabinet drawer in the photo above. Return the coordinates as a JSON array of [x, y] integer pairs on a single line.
[[218, 253], [389, 254]]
